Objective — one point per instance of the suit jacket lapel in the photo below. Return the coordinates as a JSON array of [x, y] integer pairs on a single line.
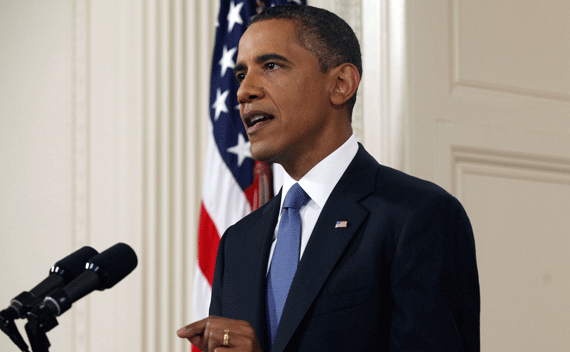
[[256, 247], [327, 243]]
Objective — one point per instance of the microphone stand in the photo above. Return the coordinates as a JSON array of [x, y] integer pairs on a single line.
[[9, 327], [40, 321]]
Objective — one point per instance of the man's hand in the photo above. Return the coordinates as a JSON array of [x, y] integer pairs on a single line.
[[208, 335]]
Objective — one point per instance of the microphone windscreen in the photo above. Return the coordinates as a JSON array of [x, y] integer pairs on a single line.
[[114, 264], [62, 273], [74, 264]]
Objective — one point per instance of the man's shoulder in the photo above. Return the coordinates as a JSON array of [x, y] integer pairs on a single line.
[[398, 187], [407, 184]]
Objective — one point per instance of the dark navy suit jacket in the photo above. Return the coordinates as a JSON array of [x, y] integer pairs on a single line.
[[402, 276]]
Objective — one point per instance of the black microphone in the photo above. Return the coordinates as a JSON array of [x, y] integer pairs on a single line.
[[62, 273], [103, 271]]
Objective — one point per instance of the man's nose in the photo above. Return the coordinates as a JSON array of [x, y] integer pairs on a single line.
[[250, 89]]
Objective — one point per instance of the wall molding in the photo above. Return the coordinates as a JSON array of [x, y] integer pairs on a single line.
[[504, 164], [81, 160], [500, 152], [177, 46]]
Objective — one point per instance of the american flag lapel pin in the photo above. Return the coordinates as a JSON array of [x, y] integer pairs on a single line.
[[340, 224]]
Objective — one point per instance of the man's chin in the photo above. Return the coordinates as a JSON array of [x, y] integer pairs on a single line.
[[263, 153]]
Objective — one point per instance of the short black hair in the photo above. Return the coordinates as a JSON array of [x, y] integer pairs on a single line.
[[321, 32]]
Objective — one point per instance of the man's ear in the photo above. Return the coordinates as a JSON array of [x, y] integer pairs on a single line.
[[345, 83]]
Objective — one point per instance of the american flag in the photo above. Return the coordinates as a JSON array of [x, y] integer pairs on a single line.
[[234, 184], [340, 224]]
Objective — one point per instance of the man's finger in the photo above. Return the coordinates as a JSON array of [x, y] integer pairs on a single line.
[[191, 330]]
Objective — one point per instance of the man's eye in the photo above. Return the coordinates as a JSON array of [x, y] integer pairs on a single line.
[[240, 77], [272, 66]]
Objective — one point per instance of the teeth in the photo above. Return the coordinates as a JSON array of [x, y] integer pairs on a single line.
[[257, 118]]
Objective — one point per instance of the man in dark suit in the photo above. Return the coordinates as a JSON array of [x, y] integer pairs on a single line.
[[382, 261]]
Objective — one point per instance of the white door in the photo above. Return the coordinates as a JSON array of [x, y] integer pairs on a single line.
[[489, 120]]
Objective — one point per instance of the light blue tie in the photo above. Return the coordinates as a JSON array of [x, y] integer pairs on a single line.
[[285, 256]]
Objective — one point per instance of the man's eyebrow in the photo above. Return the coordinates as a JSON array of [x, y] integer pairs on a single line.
[[269, 57], [261, 59]]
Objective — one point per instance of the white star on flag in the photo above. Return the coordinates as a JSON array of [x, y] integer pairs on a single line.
[[220, 103], [234, 16], [242, 149], [227, 60]]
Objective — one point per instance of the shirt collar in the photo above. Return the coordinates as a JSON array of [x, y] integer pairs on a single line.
[[323, 177]]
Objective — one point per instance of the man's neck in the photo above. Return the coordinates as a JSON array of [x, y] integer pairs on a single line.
[[303, 165]]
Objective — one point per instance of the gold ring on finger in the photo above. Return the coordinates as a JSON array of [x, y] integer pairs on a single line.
[[226, 341]]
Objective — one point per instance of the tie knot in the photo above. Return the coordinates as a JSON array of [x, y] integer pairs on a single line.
[[296, 198]]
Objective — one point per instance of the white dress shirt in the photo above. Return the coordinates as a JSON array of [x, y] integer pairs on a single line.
[[318, 183]]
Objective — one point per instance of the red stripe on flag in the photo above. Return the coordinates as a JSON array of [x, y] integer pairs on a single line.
[[251, 195], [208, 241]]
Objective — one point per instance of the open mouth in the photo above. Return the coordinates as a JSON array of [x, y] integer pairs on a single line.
[[258, 119], [255, 118]]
